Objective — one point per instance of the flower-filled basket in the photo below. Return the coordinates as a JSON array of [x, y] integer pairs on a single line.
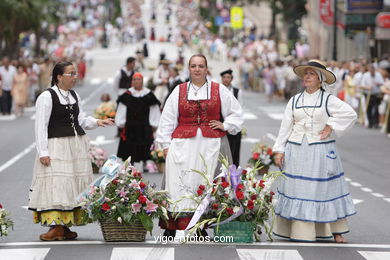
[[123, 203], [262, 153], [5, 221], [98, 157], [235, 203], [158, 157], [105, 110]]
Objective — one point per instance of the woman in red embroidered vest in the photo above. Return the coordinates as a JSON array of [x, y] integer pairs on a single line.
[[191, 126]]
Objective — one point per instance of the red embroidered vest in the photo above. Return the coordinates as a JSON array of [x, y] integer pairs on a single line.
[[194, 114]]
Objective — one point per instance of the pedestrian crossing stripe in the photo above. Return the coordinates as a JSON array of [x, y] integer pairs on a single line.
[[269, 254], [375, 255], [24, 254], [141, 253]]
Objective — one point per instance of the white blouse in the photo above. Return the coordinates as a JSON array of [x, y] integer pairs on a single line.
[[154, 112], [230, 108], [43, 107], [342, 117]]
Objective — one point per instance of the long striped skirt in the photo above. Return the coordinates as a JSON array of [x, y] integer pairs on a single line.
[[313, 199]]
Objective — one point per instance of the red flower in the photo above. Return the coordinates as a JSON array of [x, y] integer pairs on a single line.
[[225, 184], [202, 187], [213, 191], [254, 185], [105, 207], [261, 183], [200, 192], [250, 204], [256, 156], [243, 172], [223, 179], [230, 211], [115, 181], [239, 195], [142, 199], [1, 206], [269, 151], [226, 195], [215, 206], [142, 185], [254, 197], [272, 193], [240, 187]]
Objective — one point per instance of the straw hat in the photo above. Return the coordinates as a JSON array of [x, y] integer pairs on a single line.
[[165, 61], [330, 78]]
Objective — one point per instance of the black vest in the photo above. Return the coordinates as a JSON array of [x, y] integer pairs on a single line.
[[235, 92], [64, 118], [125, 81]]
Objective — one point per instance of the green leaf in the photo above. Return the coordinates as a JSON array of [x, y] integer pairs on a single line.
[[147, 222]]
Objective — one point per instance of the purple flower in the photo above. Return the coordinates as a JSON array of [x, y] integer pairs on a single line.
[[235, 174]]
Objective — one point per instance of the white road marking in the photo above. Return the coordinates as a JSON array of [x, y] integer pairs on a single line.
[[347, 179], [375, 255], [366, 189], [85, 100], [387, 199], [276, 116], [249, 116], [356, 201], [111, 80], [378, 195], [356, 184], [7, 118], [250, 140], [17, 157], [152, 241], [95, 81], [271, 136], [141, 253], [269, 254], [25, 207], [101, 140], [24, 254]]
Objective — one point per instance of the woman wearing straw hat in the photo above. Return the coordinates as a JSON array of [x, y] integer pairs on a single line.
[[313, 200]]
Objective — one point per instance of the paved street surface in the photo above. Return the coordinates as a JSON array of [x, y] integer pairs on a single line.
[[365, 155]]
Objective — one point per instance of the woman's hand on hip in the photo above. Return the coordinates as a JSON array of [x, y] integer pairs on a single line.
[[325, 133], [279, 159], [214, 124], [105, 122], [45, 160]]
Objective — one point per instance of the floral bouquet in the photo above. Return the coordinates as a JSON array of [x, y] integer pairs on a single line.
[[126, 199], [98, 157], [237, 195], [157, 156], [105, 110], [262, 153], [5, 221]]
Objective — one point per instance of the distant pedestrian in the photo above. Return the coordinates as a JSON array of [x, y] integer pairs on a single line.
[[7, 73]]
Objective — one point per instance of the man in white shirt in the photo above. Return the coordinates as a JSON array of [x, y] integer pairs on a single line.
[[123, 77], [7, 73], [234, 140]]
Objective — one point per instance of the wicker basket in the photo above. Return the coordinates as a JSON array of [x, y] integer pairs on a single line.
[[114, 231], [242, 232]]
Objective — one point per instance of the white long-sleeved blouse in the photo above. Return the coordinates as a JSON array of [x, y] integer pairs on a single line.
[[154, 112], [43, 107], [337, 114], [230, 109]]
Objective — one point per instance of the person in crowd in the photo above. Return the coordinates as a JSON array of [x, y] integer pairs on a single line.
[[234, 140], [161, 80], [174, 79], [193, 124], [62, 167], [313, 200], [45, 70], [385, 105], [7, 73], [138, 115], [20, 88], [371, 82], [82, 69], [269, 81], [123, 77]]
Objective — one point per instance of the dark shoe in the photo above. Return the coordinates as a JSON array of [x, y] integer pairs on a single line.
[[55, 233], [69, 235], [169, 233]]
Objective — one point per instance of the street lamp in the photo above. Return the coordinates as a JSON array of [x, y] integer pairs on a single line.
[[334, 54]]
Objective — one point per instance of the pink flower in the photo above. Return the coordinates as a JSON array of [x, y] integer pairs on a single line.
[[122, 193], [150, 206], [134, 184], [136, 207]]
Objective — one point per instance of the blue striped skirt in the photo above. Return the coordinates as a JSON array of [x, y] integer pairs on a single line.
[[313, 188]]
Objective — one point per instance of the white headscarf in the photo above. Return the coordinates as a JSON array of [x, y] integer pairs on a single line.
[[322, 78]]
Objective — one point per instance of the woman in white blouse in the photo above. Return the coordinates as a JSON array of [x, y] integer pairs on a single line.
[[63, 168], [313, 200], [194, 123]]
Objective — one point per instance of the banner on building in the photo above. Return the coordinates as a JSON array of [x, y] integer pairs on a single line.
[[236, 17], [366, 5], [327, 14]]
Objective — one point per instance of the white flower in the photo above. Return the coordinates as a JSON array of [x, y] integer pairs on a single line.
[[236, 209], [119, 219], [113, 207]]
